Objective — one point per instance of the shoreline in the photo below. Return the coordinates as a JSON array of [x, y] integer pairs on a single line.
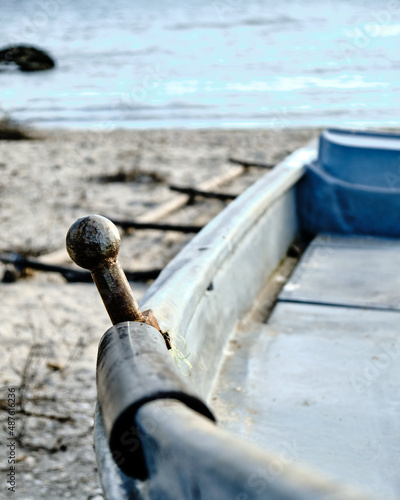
[[110, 126]]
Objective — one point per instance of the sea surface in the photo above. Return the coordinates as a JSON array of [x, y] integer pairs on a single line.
[[218, 63]]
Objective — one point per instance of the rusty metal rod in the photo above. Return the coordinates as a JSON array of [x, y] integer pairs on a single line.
[[192, 192], [132, 224], [247, 164], [93, 243]]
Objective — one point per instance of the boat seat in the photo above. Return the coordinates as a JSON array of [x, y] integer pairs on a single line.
[[349, 271], [353, 186]]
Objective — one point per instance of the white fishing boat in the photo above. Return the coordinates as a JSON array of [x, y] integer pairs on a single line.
[[284, 314]]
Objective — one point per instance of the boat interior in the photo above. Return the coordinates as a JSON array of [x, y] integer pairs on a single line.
[[287, 325], [317, 382]]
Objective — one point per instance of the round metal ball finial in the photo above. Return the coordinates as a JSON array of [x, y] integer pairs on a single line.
[[92, 240], [93, 243]]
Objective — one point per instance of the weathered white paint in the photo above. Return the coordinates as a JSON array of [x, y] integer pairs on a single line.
[[318, 384]]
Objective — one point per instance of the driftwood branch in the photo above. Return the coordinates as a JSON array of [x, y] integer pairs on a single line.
[[71, 275], [133, 224], [248, 164], [193, 192]]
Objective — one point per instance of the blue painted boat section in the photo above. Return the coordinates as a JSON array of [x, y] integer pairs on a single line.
[[364, 158], [353, 187]]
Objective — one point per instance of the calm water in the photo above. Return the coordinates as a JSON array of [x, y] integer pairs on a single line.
[[244, 63]]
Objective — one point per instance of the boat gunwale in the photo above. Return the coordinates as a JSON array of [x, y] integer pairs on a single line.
[[174, 295]]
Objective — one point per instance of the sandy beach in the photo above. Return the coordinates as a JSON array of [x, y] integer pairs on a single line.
[[50, 328]]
